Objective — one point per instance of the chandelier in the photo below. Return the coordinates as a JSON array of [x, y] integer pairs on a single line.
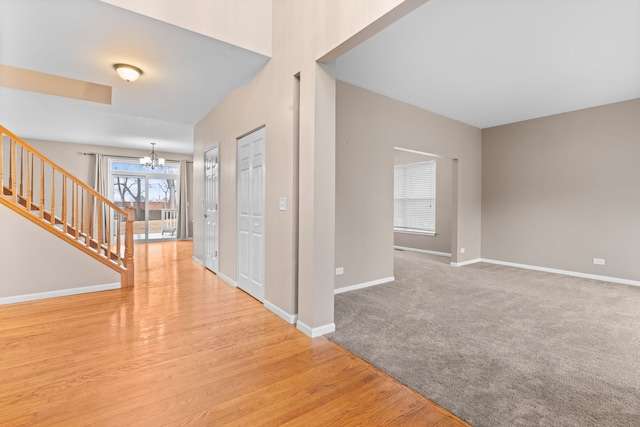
[[152, 161]]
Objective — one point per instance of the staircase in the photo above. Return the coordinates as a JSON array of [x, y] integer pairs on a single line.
[[45, 194]]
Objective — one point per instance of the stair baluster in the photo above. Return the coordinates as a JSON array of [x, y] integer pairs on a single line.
[[87, 220]]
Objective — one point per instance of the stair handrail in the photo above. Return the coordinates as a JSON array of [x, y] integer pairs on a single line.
[[93, 217]]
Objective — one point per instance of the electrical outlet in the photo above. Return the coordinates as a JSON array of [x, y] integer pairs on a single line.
[[461, 250], [339, 271], [598, 261]]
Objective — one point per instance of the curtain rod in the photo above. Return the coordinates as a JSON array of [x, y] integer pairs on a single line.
[[125, 157]]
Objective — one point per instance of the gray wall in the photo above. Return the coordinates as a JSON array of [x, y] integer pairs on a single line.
[[68, 155], [561, 190], [368, 126], [441, 242], [34, 261], [299, 244]]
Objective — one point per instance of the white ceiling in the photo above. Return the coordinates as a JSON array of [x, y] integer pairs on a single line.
[[484, 63], [185, 74], [492, 62]]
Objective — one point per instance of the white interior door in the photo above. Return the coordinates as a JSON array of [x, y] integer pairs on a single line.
[[211, 179], [251, 213]]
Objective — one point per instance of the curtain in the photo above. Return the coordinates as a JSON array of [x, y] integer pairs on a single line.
[[184, 231], [100, 175], [99, 183]]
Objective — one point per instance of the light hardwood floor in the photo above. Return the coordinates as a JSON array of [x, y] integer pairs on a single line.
[[185, 348]]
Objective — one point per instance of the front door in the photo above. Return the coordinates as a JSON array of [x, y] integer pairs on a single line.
[[211, 171], [250, 238]]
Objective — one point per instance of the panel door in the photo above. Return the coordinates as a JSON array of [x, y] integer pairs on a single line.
[[251, 187], [211, 200]]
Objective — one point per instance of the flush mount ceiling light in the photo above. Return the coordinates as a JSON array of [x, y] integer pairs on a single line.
[[127, 72], [152, 161]]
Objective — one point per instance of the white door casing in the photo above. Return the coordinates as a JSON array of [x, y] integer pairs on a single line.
[[211, 198], [251, 187]]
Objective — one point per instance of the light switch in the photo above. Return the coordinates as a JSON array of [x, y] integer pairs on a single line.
[[283, 203]]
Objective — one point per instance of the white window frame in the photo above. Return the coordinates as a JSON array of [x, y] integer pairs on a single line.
[[414, 198]]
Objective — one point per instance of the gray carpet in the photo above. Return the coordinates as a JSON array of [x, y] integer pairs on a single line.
[[501, 346]]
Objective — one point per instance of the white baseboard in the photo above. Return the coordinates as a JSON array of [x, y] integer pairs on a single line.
[[565, 272], [59, 293], [289, 318], [364, 285], [198, 261], [463, 263], [227, 279], [422, 251], [315, 332]]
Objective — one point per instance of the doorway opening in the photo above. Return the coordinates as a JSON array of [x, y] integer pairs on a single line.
[[425, 215]]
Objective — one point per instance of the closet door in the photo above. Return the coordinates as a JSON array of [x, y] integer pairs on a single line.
[[251, 213]]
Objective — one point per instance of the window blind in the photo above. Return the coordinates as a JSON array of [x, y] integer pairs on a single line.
[[414, 198]]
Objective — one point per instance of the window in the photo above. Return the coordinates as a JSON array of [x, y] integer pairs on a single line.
[[153, 193], [414, 198]]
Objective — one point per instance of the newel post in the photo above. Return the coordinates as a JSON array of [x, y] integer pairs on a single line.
[[128, 248]]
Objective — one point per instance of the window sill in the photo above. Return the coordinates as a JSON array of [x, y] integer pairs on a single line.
[[420, 233]]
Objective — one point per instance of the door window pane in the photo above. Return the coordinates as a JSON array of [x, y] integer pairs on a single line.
[[130, 191], [152, 193]]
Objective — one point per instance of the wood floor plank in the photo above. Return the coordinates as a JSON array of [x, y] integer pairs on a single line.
[[184, 348]]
